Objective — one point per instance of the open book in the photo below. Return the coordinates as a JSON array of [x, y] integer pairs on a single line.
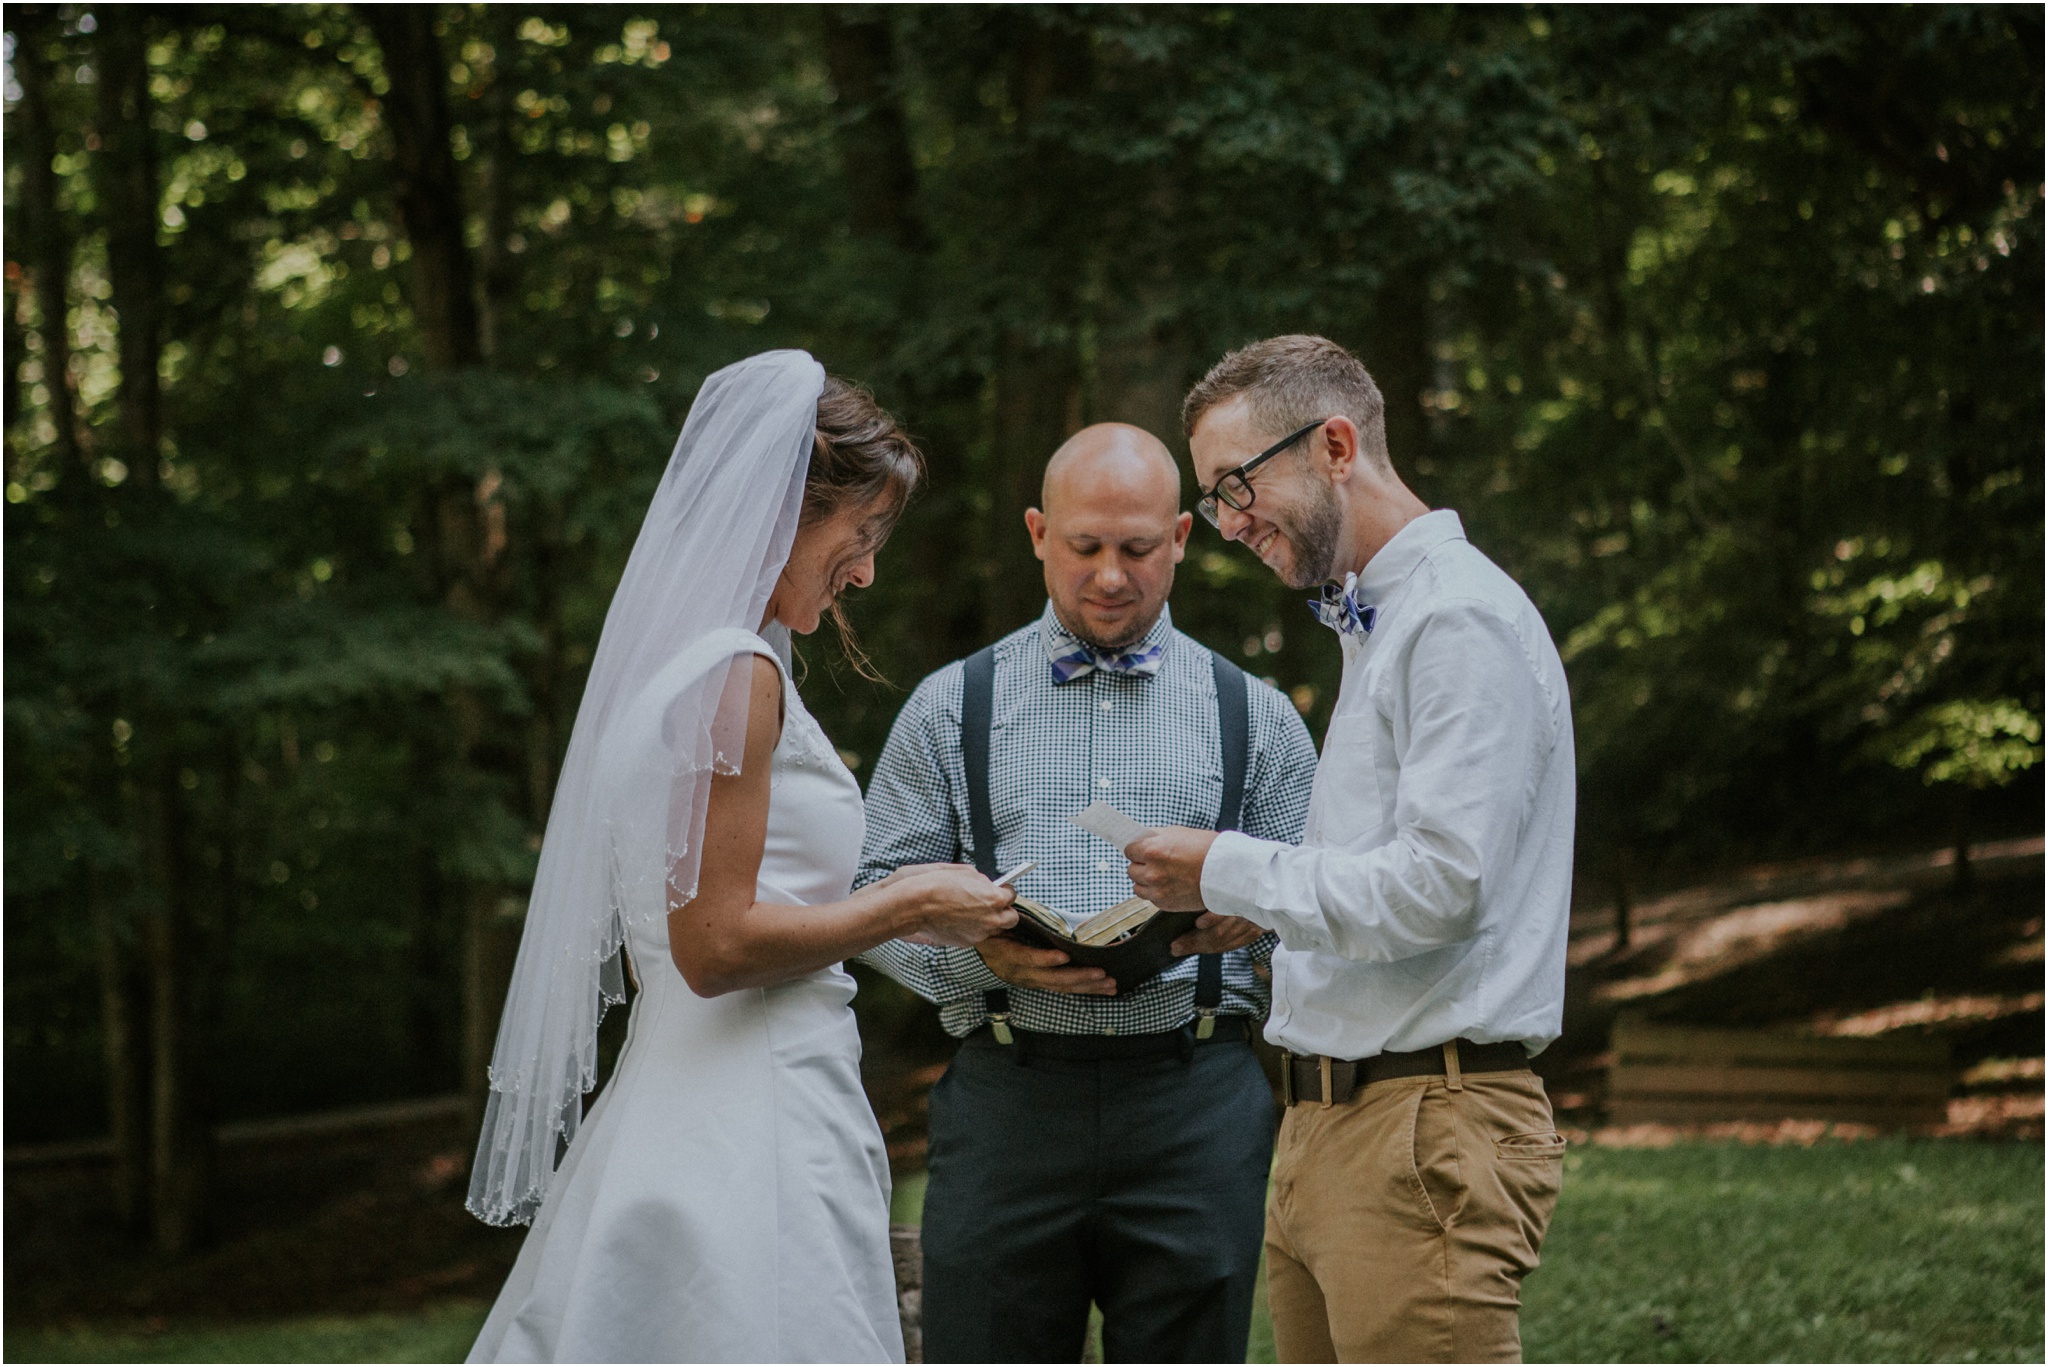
[[1132, 941]]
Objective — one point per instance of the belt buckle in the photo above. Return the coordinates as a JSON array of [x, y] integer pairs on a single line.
[[1286, 1078], [1329, 1092]]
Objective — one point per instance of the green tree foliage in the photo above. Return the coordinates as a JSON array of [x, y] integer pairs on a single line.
[[1721, 327]]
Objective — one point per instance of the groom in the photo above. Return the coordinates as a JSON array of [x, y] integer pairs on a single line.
[[1422, 921], [1086, 1147]]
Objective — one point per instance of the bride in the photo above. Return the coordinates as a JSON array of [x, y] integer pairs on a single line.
[[728, 1198]]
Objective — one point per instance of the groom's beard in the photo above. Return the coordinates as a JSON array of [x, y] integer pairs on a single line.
[[1118, 646], [1311, 528]]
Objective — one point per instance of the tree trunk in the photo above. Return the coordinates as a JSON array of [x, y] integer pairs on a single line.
[[127, 185], [180, 1132], [543, 746], [1965, 876], [124, 1035], [466, 535], [1624, 898], [429, 192], [13, 339], [124, 1048], [941, 617], [424, 978], [1397, 352], [1037, 406], [49, 248], [1143, 350], [1038, 365], [500, 268], [873, 138], [179, 1137]]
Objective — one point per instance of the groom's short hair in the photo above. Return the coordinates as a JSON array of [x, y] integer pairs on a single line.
[[1290, 382]]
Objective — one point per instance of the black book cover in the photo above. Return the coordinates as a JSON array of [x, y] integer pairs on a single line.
[[1132, 961]]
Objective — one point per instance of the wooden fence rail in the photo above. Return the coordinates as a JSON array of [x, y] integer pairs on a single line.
[[1682, 1075]]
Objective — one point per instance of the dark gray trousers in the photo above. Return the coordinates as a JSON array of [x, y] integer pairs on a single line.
[[1139, 1185]]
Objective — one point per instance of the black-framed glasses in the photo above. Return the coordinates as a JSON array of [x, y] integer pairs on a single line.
[[1234, 487]]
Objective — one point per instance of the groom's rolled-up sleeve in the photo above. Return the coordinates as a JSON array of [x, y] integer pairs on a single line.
[[911, 819], [1477, 729]]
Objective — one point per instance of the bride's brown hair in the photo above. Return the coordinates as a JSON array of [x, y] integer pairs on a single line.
[[860, 458]]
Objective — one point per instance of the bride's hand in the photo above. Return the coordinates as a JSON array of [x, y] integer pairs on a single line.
[[958, 905], [916, 871]]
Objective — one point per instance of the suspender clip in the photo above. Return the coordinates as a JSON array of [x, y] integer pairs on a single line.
[[1205, 1023], [999, 1023]]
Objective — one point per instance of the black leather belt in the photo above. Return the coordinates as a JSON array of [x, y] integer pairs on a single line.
[[1333, 1081], [1095, 1048]]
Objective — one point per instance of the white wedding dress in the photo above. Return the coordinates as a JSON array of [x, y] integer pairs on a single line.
[[727, 1199]]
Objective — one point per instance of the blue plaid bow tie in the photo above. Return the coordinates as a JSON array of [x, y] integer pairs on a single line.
[[1080, 657], [1339, 609]]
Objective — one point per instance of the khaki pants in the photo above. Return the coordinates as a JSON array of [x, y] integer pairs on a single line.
[[1402, 1222]]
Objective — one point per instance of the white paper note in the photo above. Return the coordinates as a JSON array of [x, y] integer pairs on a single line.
[[1099, 818]]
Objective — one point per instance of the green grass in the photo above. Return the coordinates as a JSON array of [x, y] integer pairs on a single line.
[[906, 1203], [442, 1334], [1892, 1251], [1885, 1251]]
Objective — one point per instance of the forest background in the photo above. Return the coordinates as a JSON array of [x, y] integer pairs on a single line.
[[345, 345]]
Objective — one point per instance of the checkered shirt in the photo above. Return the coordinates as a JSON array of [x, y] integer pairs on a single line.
[[1147, 745]]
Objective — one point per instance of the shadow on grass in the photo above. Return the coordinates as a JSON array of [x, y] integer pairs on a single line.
[[442, 1334]]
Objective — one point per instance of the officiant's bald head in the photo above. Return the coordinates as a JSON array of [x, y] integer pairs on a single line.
[[1110, 530], [1112, 456]]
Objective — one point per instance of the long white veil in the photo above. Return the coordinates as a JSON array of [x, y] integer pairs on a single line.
[[628, 814]]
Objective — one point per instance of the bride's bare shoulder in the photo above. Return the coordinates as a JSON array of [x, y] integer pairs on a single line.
[[764, 701]]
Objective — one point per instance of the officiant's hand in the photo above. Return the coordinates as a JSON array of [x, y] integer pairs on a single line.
[[1215, 933], [1023, 965], [1166, 866]]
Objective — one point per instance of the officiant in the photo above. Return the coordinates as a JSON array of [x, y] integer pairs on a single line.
[[1090, 1144]]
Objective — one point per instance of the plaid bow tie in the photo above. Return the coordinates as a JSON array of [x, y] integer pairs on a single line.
[[1079, 658], [1340, 611]]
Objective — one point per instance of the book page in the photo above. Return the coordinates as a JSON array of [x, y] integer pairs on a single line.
[[1044, 916], [1101, 819], [1108, 926]]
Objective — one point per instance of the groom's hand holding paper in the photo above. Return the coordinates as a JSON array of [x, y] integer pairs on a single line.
[[1213, 934], [1166, 870], [1166, 866]]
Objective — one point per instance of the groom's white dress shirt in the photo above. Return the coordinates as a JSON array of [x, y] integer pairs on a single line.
[[1428, 899]]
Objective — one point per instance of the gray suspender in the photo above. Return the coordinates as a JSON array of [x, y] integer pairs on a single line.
[[977, 715], [1234, 725]]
